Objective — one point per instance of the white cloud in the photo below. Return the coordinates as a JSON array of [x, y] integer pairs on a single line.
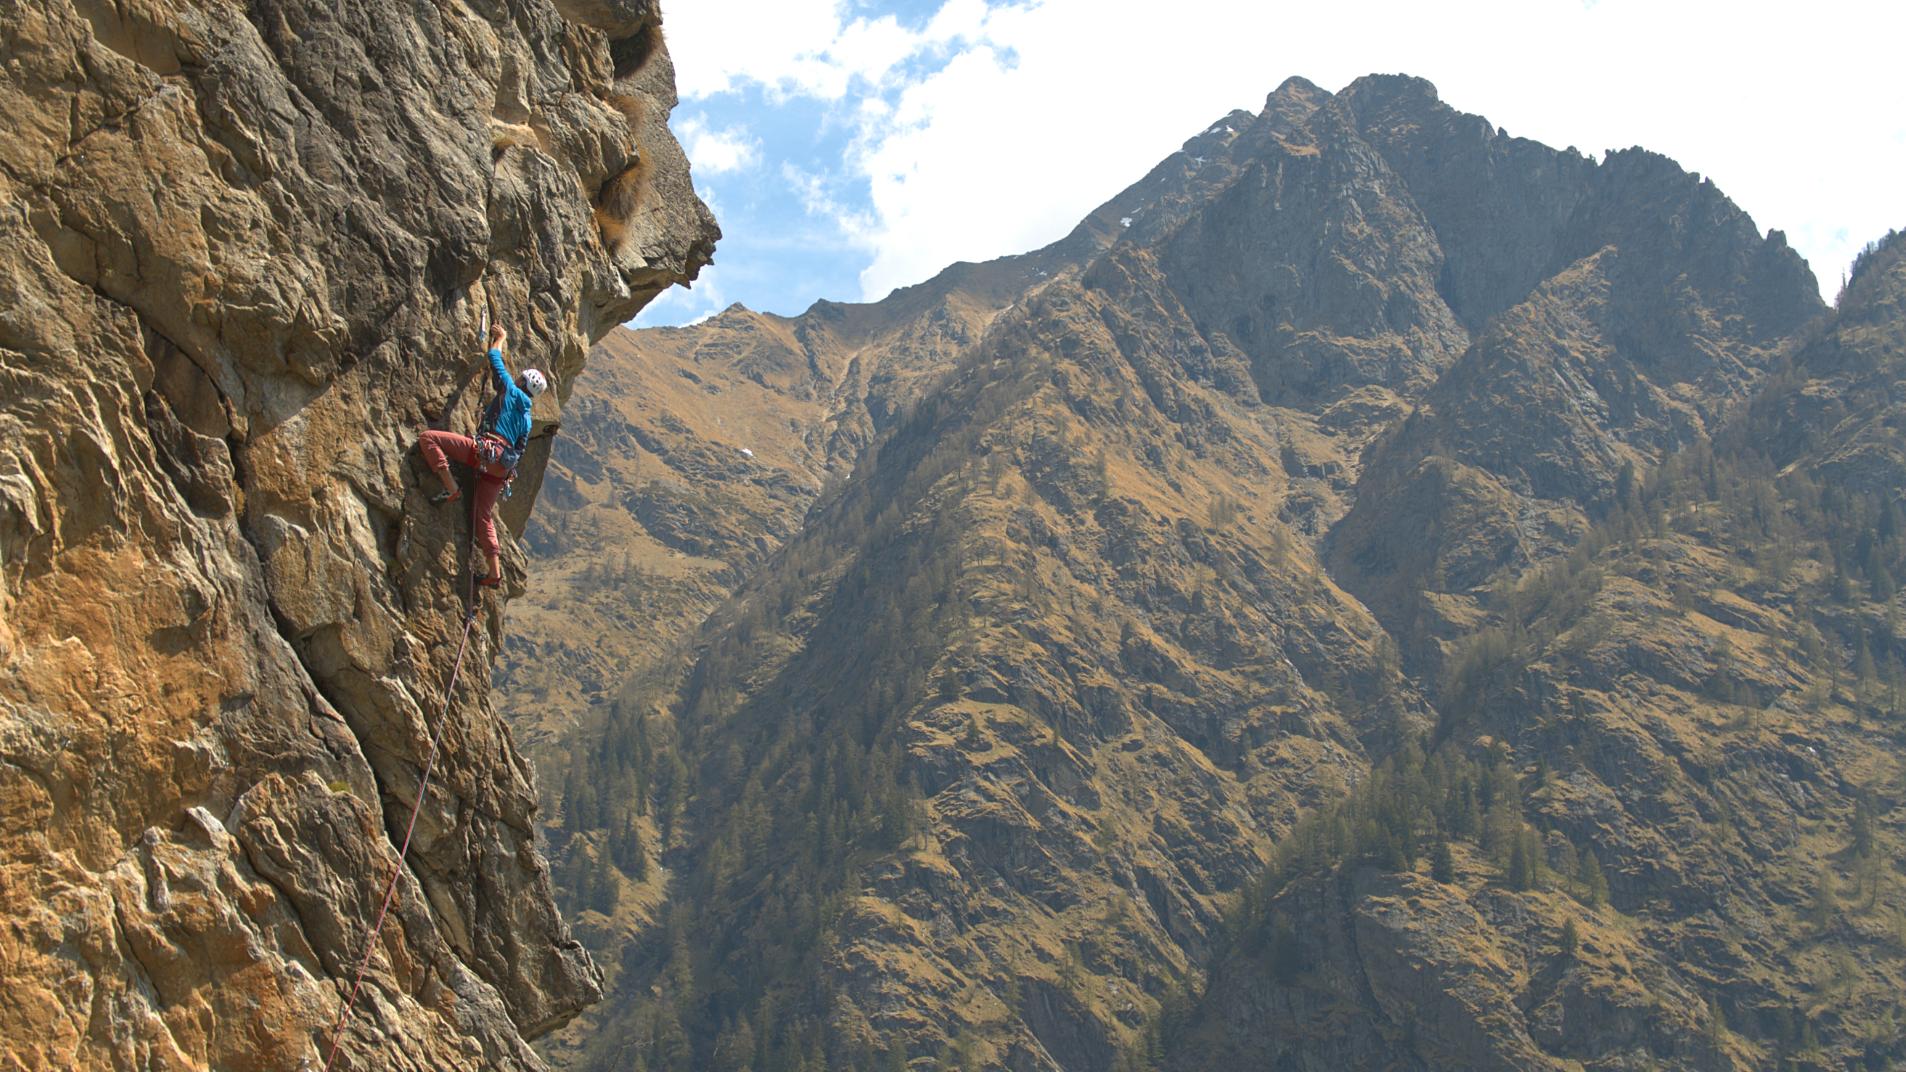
[[716, 152], [808, 48], [858, 227], [717, 44], [992, 129]]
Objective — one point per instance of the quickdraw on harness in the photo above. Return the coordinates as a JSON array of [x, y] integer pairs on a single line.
[[495, 451]]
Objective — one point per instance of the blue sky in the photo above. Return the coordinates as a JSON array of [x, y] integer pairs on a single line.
[[852, 146]]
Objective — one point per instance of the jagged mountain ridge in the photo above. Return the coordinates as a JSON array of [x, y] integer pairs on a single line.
[[1099, 599], [244, 260]]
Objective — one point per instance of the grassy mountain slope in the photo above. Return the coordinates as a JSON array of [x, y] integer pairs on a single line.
[[661, 514], [1085, 685], [1142, 548]]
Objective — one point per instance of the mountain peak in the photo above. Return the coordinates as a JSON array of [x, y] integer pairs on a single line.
[[1394, 87], [1296, 87], [1291, 103]]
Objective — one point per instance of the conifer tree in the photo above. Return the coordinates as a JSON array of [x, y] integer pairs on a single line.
[[637, 854], [1532, 852], [1862, 830], [1716, 1022], [1521, 869], [1594, 883]]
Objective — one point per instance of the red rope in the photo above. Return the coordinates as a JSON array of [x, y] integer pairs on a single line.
[[403, 854]]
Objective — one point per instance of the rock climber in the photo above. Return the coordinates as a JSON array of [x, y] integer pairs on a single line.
[[494, 452]]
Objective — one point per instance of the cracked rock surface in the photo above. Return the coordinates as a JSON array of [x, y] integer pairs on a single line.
[[245, 250]]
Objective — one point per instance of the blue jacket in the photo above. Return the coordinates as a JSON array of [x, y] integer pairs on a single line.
[[508, 415]]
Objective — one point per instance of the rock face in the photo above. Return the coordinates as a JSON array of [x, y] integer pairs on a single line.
[[244, 255], [1060, 594]]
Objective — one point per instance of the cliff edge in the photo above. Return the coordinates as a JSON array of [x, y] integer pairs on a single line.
[[244, 251]]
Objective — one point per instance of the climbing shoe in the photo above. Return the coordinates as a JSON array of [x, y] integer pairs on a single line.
[[489, 580], [447, 496]]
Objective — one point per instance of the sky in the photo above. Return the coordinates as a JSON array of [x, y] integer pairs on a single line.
[[849, 147]]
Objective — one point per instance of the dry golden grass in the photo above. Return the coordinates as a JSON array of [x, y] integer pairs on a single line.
[[618, 200], [634, 108], [506, 136]]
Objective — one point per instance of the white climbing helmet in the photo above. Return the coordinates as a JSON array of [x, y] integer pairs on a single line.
[[534, 382]]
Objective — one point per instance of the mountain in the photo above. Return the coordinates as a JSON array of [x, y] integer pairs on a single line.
[[1708, 686], [1253, 629], [661, 515], [245, 259]]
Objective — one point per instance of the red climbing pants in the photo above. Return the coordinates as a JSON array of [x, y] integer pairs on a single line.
[[442, 448]]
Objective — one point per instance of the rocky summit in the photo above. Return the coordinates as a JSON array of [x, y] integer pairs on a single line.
[[246, 252], [1380, 593]]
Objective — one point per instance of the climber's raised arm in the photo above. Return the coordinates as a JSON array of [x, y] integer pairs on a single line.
[[497, 338]]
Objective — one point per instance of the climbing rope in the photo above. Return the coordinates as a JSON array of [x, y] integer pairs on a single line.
[[403, 854], [423, 785]]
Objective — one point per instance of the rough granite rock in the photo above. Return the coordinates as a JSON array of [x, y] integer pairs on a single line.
[[243, 255]]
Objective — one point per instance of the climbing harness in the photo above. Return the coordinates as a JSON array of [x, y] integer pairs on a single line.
[[499, 454], [497, 451], [417, 806], [403, 854]]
